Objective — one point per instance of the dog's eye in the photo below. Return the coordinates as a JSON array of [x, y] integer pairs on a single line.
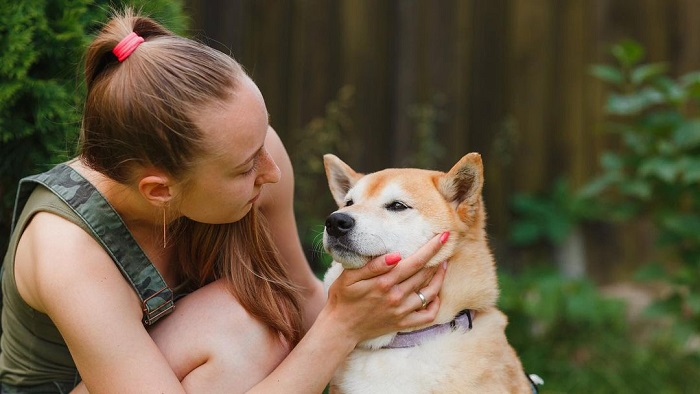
[[396, 206], [349, 203]]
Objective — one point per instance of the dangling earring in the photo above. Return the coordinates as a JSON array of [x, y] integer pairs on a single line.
[[165, 239]]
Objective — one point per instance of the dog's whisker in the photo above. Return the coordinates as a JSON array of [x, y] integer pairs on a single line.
[[317, 243]]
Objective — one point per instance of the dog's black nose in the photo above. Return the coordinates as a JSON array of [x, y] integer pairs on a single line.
[[338, 224]]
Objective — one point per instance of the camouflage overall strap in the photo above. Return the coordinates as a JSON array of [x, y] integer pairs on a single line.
[[108, 227]]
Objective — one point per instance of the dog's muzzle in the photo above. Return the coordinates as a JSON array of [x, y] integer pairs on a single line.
[[339, 224], [339, 241]]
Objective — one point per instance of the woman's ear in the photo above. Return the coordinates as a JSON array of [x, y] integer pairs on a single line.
[[156, 189]]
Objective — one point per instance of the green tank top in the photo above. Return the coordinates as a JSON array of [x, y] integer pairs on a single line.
[[36, 353], [32, 349]]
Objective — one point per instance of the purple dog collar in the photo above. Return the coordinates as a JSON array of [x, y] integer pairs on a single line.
[[414, 338]]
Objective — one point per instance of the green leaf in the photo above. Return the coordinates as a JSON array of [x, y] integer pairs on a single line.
[[660, 167], [607, 73], [661, 120], [628, 52], [694, 303], [650, 272], [636, 188], [690, 79], [558, 229], [683, 224], [599, 185], [611, 161], [667, 148], [646, 72], [691, 173], [637, 142], [525, 233], [671, 90], [687, 136], [662, 308], [632, 104]]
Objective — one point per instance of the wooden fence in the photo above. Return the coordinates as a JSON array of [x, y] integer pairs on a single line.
[[507, 78]]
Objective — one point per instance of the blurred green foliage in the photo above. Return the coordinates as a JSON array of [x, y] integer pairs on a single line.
[[41, 88], [565, 329], [550, 217], [656, 172], [580, 341]]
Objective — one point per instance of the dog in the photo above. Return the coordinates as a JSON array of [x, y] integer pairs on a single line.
[[465, 350]]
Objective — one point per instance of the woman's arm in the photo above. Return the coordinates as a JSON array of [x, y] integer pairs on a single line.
[[277, 204], [214, 346], [73, 280], [362, 304]]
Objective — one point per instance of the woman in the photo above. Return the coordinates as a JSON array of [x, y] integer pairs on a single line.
[[176, 159]]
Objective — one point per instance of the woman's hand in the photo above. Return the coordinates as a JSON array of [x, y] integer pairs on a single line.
[[381, 297]]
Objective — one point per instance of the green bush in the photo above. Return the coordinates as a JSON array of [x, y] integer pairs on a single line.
[[566, 330], [656, 173], [580, 341], [548, 218], [41, 50]]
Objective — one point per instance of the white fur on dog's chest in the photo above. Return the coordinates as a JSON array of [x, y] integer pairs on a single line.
[[425, 368]]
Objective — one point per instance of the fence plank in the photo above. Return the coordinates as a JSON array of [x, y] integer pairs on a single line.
[[507, 78]]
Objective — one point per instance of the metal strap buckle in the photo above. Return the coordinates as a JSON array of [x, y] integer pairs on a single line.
[[151, 316]]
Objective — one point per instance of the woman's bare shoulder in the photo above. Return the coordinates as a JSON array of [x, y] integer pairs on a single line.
[[53, 253]]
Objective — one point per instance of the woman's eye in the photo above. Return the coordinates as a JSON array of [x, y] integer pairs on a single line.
[[254, 167], [349, 203], [250, 171], [397, 206]]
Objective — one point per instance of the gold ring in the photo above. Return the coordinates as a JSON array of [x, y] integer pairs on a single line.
[[423, 301]]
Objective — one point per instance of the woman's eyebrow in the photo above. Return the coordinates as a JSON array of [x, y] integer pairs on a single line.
[[251, 158]]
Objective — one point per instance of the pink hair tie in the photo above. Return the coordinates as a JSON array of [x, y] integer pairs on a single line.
[[127, 45]]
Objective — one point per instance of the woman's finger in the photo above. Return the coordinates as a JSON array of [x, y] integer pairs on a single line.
[[419, 280], [375, 267], [417, 298], [422, 316], [393, 262], [431, 290]]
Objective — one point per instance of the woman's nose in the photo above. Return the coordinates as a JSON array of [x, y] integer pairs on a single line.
[[269, 171]]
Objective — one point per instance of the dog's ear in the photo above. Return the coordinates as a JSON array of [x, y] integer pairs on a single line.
[[462, 185], [340, 177]]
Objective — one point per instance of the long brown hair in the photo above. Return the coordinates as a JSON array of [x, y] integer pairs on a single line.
[[140, 112], [256, 277]]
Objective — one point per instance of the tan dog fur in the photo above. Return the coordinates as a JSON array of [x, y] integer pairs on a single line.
[[476, 361]]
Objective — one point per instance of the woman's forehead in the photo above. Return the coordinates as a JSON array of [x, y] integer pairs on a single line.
[[235, 129]]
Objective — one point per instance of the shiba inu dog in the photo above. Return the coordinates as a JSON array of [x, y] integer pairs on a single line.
[[399, 210]]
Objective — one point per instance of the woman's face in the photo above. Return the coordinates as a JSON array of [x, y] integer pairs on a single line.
[[227, 181]]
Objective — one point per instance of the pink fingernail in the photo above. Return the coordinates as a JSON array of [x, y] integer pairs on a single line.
[[444, 265], [444, 237], [392, 258]]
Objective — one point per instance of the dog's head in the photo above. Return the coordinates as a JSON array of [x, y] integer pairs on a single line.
[[399, 210]]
